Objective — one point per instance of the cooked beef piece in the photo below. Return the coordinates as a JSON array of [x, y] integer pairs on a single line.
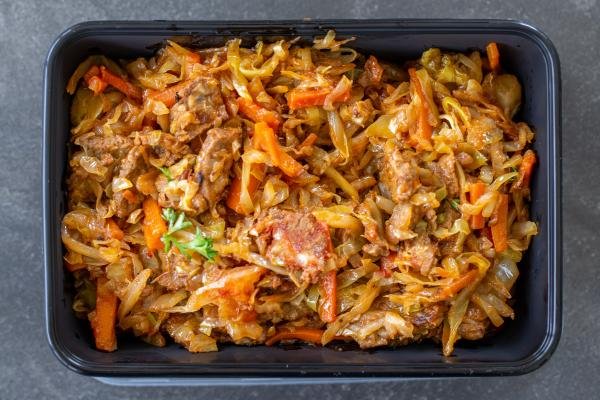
[[398, 226], [200, 108], [474, 325], [398, 175], [296, 241], [420, 253], [428, 320], [130, 167], [168, 149], [100, 146], [215, 160], [445, 170], [372, 74]]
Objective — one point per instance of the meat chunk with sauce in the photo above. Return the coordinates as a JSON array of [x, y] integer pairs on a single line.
[[130, 168], [296, 241], [101, 146], [398, 226], [166, 147], [428, 320], [200, 108], [215, 160], [445, 170], [421, 253], [474, 325], [398, 175]]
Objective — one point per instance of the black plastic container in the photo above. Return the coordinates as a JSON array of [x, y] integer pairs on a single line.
[[521, 346]]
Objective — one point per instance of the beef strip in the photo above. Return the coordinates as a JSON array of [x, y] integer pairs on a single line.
[[99, 146], [215, 160], [420, 253], [168, 149], [398, 226], [398, 175], [200, 108], [130, 167], [297, 241], [474, 325], [428, 320], [445, 170]]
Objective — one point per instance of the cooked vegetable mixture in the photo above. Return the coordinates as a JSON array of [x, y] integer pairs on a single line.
[[287, 192]]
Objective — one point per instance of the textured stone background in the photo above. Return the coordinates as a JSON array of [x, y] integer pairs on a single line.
[[27, 27]]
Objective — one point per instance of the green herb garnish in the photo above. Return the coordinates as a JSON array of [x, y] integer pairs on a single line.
[[454, 203], [166, 172], [200, 244]]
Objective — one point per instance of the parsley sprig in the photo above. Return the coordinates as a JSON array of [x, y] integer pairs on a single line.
[[166, 172], [455, 203], [200, 244]]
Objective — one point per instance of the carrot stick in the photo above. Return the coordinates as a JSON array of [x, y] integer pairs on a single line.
[[525, 170], [456, 286], [500, 228], [129, 196], [265, 140], [423, 133], [310, 335], [257, 171], [103, 322], [97, 85], [127, 88], [93, 71], [170, 95], [92, 79], [153, 225], [328, 309], [493, 55], [477, 190], [301, 98], [113, 229], [309, 141], [257, 113]]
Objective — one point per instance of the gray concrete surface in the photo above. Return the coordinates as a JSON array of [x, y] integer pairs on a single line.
[[28, 370]]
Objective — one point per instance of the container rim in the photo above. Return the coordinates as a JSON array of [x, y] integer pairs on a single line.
[[290, 26]]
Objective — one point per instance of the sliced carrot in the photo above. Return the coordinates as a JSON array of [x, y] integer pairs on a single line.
[[308, 141], [525, 170], [257, 113], [257, 171], [500, 227], [93, 71], [127, 88], [113, 229], [328, 288], [97, 85], [422, 136], [493, 55], [477, 190], [105, 317], [465, 280], [171, 94], [310, 335], [129, 196], [265, 140], [153, 225], [302, 98]]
